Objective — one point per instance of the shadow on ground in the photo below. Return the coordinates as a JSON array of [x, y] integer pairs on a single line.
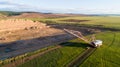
[[15, 48]]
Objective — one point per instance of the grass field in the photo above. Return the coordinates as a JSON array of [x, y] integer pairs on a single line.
[[107, 55], [59, 57], [107, 22]]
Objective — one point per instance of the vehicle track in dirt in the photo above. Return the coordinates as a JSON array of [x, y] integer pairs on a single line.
[[81, 58]]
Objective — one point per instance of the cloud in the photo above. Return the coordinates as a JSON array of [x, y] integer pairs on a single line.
[[7, 4], [11, 6]]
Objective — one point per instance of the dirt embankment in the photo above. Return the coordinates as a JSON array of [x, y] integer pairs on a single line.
[[19, 29], [15, 24]]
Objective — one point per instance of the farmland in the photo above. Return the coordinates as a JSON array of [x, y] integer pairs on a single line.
[[107, 55]]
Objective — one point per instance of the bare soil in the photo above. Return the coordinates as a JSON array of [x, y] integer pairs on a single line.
[[16, 24], [20, 29]]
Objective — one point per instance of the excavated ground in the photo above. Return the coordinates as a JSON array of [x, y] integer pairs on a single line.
[[18, 36]]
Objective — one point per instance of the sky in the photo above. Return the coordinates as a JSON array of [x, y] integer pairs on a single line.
[[63, 6]]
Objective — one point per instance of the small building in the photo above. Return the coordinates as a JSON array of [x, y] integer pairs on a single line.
[[97, 43]]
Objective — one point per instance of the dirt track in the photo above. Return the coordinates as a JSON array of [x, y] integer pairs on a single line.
[[80, 59]]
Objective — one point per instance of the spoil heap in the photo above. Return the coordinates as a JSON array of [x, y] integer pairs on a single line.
[[22, 29], [16, 24]]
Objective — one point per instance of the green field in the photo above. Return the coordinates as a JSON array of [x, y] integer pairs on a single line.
[[107, 55], [107, 22], [59, 57]]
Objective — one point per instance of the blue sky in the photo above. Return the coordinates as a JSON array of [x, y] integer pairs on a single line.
[[63, 6]]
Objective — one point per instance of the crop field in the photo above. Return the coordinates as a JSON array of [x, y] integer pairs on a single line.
[[107, 55], [59, 57]]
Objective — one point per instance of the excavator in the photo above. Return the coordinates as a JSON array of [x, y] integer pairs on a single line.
[[92, 42]]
